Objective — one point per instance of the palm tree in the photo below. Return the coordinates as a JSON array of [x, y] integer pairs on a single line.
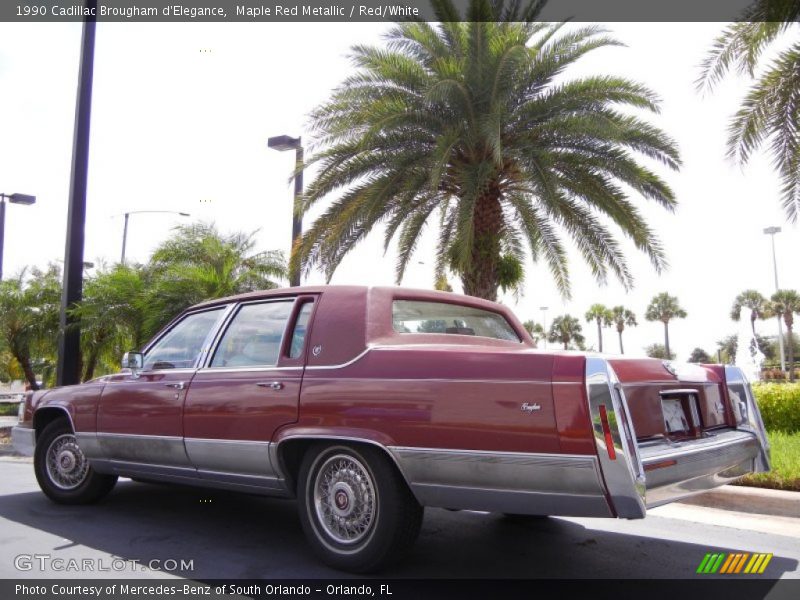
[[658, 351], [29, 314], [754, 301], [602, 315], [786, 303], [664, 308], [535, 330], [112, 313], [622, 317], [770, 112], [199, 263], [475, 123], [566, 329]]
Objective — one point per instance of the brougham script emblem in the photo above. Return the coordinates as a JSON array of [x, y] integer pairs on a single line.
[[529, 408]]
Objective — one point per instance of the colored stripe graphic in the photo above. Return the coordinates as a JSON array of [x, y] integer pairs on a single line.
[[703, 563], [734, 563], [726, 567], [741, 562], [764, 564]]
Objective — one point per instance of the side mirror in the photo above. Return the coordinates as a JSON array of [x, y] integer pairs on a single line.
[[133, 361]]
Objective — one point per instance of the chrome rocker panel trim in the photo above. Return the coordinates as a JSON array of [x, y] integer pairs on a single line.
[[520, 483]]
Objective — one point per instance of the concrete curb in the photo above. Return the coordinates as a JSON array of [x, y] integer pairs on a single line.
[[750, 500]]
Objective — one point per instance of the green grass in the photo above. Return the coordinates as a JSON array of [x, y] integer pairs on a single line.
[[9, 409], [785, 474]]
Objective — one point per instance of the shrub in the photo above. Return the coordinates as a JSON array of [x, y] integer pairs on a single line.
[[779, 404]]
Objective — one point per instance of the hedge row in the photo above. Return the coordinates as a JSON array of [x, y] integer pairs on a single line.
[[779, 404]]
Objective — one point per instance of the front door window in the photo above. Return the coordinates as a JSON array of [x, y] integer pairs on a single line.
[[182, 345]]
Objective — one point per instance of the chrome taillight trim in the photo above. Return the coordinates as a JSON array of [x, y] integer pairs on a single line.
[[753, 423], [624, 474]]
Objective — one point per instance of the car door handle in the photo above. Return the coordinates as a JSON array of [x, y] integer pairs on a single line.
[[273, 385], [179, 385]]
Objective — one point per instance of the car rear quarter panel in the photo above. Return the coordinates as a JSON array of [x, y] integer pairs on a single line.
[[438, 397]]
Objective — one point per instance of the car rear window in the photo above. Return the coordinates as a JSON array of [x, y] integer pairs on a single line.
[[415, 316]]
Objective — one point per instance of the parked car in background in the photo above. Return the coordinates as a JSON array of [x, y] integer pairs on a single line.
[[368, 404]]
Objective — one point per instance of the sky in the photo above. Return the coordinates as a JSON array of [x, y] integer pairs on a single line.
[[182, 112]]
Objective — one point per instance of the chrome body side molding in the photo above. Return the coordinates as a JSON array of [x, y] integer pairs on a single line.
[[230, 456], [620, 461], [512, 482], [134, 448], [267, 486]]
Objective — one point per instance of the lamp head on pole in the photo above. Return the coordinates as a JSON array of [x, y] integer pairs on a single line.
[[283, 143], [22, 199], [772, 230]]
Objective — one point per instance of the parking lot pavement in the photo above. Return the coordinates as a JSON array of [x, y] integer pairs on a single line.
[[228, 535]]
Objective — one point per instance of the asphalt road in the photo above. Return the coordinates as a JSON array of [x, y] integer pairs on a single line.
[[228, 535]]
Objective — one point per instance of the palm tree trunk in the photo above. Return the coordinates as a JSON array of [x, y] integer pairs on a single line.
[[599, 336], [481, 279], [790, 347], [30, 376], [621, 351], [666, 339], [91, 363], [753, 322]]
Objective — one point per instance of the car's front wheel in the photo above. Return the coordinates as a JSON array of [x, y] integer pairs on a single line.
[[63, 471], [356, 510]]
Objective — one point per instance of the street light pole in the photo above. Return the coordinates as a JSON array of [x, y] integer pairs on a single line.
[[771, 231], [14, 199], [544, 321], [139, 212], [124, 239], [283, 143]]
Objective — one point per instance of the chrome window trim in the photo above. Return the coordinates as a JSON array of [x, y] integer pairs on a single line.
[[246, 369], [181, 371], [225, 324], [358, 357], [624, 476]]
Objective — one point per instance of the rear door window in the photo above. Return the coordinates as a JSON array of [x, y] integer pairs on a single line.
[[253, 339]]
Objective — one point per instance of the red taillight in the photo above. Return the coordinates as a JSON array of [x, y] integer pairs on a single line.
[[612, 454]]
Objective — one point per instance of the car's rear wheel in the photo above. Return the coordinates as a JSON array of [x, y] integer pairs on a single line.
[[63, 471], [356, 510]]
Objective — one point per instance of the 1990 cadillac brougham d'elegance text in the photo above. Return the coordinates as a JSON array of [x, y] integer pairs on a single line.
[[368, 404]]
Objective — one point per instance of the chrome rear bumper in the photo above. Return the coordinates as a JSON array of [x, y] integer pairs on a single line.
[[676, 470]]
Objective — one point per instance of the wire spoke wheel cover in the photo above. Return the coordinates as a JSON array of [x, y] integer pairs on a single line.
[[66, 464], [345, 499]]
